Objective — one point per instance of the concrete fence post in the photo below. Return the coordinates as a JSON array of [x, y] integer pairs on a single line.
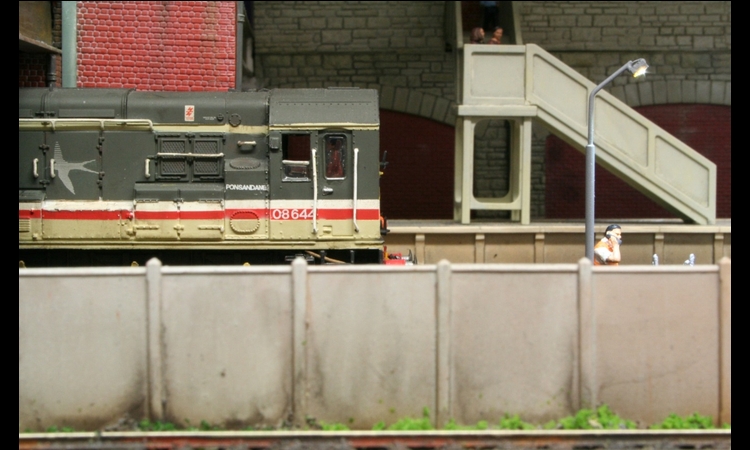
[[586, 368], [156, 402], [300, 323], [443, 410], [725, 340]]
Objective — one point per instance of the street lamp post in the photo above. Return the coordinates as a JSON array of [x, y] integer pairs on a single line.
[[637, 67]]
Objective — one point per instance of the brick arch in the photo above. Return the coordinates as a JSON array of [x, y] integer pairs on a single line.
[[420, 104], [666, 92], [704, 127]]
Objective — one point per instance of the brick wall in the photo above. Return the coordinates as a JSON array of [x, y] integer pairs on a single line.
[[618, 25], [706, 128], [418, 181], [155, 45], [680, 40], [364, 44]]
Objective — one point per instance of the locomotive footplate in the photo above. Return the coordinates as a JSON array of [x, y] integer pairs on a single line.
[[32, 258]]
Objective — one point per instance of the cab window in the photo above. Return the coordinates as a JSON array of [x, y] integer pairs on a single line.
[[296, 157], [335, 155]]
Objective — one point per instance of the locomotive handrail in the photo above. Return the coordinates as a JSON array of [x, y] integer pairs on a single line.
[[315, 190], [193, 155], [52, 122], [354, 212]]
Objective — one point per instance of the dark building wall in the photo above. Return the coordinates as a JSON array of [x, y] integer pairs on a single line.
[[34, 68], [707, 128], [417, 183]]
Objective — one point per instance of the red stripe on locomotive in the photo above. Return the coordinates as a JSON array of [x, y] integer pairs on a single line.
[[323, 214]]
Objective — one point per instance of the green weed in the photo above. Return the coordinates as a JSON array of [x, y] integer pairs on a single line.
[[147, 425], [409, 423], [691, 422], [514, 422], [585, 419], [452, 425], [602, 418], [56, 429]]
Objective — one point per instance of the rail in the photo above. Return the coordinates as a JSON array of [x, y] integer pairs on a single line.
[[432, 440]]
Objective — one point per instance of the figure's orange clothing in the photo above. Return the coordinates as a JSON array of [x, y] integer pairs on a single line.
[[602, 251]]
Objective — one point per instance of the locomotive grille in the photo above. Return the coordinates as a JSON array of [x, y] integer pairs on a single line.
[[173, 165], [206, 166], [24, 225]]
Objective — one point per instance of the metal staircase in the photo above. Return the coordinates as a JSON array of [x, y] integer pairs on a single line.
[[521, 83]]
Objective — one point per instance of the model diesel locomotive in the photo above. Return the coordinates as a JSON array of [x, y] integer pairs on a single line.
[[117, 176]]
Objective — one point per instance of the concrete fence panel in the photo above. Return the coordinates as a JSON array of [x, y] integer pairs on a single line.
[[370, 344], [657, 340], [514, 342], [227, 340], [81, 347]]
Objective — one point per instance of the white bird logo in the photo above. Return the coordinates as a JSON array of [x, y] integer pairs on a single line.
[[63, 168]]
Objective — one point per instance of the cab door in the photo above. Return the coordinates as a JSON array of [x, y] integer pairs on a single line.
[[293, 181], [336, 186]]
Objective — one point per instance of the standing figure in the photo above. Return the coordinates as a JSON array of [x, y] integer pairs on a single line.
[[477, 36], [607, 250], [497, 36]]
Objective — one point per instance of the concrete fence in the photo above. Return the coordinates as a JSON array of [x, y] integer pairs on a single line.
[[259, 345]]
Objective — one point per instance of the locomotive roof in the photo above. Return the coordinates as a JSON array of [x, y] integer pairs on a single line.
[[282, 108], [343, 107]]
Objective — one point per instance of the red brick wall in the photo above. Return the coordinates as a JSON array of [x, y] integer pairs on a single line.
[[705, 128], [418, 181], [157, 45]]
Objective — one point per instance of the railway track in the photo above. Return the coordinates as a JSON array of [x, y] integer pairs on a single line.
[[379, 440]]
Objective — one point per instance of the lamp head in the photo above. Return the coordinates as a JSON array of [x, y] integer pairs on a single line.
[[638, 67]]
